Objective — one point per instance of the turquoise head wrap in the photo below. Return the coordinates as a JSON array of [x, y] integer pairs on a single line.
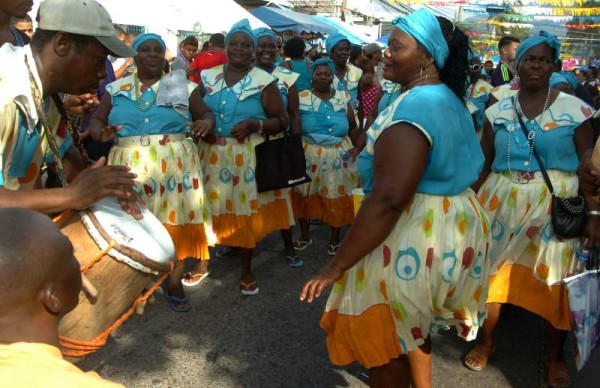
[[146, 37], [333, 40], [241, 26], [322, 62], [424, 27], [263, 31], [543, 37], [557, 78], [571, 79]]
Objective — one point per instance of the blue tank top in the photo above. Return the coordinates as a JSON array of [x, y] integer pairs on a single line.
[[302, 68]]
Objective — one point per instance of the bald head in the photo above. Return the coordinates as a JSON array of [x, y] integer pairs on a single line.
[[34, 255]]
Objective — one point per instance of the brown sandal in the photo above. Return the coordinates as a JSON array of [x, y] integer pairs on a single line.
[[558, 375], [478, 357]]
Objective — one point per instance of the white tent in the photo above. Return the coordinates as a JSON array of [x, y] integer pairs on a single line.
[[204, 16], [167, 17]]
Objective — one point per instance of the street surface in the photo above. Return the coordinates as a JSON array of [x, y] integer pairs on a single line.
[[274, 340]]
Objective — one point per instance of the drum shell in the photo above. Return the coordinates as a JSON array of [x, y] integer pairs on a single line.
[[117, 283]]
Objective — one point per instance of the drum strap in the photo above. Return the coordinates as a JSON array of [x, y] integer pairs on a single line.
[[45, 129]]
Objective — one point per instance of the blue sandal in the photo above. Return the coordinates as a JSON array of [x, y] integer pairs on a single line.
[[294, 261], [178, 304]]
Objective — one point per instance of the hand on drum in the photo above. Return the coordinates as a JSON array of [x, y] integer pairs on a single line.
[[315, 286], [242, 130], [99, 181], [133, 205], [200, 128]]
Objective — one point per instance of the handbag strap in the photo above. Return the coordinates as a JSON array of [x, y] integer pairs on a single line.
[[537, 157]]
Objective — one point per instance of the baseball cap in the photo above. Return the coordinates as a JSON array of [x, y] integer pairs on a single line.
[[83, 17], [371, 48]]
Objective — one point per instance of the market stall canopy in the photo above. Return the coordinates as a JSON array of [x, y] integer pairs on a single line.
[[281, 20], [345, 29]]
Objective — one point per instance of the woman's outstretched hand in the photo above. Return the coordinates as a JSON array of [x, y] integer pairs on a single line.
[[315, 286]]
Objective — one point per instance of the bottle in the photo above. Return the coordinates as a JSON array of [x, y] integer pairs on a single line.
[[582, 256], [345, 155]]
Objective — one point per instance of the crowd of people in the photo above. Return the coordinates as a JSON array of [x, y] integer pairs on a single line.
[[456, 220]]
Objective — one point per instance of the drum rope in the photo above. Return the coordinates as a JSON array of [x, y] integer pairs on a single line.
[[79, 348], [98, 257]]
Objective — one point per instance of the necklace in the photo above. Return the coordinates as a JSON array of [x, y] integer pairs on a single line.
[[221, 104], [143, 104], [321, 116], [530, 136], [389, 97]]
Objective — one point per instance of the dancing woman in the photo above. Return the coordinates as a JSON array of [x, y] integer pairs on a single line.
[[415, 258]]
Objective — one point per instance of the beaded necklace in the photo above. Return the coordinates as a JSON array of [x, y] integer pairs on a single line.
[[220, 104], [530, 137], [389, 97], [324, 115], [143, 104]]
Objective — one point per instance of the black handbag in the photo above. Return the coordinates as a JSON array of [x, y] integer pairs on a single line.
[[568, 214], [280, 163]]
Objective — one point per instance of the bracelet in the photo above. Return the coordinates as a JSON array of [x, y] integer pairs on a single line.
[[260, 128], [593, 212]]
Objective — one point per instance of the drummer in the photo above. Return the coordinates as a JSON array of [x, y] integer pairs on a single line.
[[40, 285], [66, 55]]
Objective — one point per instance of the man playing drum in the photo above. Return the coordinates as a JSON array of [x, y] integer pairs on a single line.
[[40, 285], [66, 55]]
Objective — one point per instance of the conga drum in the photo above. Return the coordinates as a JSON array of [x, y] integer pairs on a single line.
[[119, 256]]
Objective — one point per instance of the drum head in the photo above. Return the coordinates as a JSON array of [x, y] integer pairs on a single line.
[[142, 244]]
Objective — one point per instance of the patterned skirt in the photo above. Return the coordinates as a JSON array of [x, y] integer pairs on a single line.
[[241, 216], [170, 179], [528, 259], [329, 196], [429, 273]]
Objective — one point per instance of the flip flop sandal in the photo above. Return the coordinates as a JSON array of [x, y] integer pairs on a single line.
[[178, 304], [558, 375], [249, 289], [301, 245], [294, 261], [331, 251], [477, 358], [190, 280]]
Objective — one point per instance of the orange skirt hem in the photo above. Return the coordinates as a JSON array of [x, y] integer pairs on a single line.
[[516, 284], [369, 338], [246, 231], [336, 212], [189, 241]]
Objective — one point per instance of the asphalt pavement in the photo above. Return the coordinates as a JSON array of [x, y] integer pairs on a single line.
[[274, 340]]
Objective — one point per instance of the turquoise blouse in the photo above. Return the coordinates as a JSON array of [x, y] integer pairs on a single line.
[[242, 101], [326, 122], [554, 139], [158, 120], [454, 158]]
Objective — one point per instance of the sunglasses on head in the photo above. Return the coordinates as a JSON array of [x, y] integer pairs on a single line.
[[475, 67]]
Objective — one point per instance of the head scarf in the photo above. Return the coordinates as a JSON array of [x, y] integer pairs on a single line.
[[146, 37], [557, 78], [333, 40], [424, 27], [263, 31], [543, 37], [241, 26], [571, 79], [322, 62]]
